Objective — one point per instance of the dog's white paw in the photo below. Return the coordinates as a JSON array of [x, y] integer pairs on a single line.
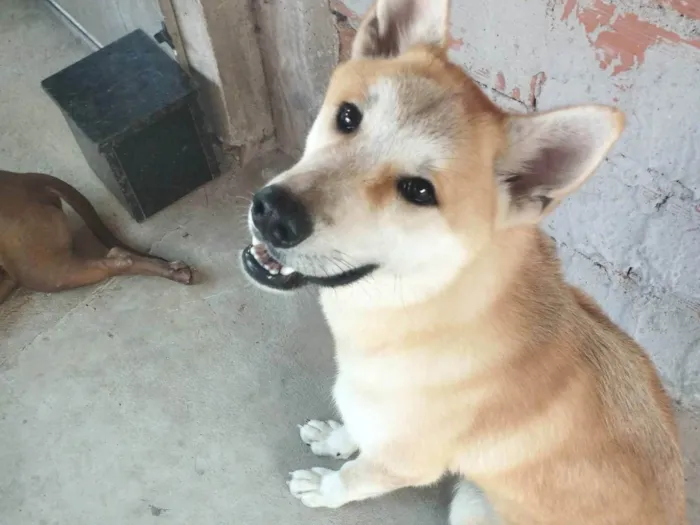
[[318, 487], [327, 438]]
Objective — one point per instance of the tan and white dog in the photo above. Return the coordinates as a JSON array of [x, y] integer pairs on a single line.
[[459, 346]]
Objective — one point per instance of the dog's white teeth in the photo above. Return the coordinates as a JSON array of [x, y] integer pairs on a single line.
[[272, 267], [263, 257], [286, 270], [259, 253]]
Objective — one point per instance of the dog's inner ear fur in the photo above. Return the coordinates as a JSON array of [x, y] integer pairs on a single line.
[[549, 155], [393, 26]]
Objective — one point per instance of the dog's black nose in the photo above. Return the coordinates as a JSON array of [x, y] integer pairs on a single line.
[[280, 217]]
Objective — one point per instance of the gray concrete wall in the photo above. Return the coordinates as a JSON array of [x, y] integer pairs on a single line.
[[299, 45], [217, 42], [631, 236]]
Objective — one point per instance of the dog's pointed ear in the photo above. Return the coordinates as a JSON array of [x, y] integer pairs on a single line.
[[549, 155], [392, 26]]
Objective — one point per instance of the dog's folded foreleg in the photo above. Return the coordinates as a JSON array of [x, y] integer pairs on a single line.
[[359, 479]]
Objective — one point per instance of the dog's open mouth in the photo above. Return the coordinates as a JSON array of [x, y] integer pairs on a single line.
[[263, 268]]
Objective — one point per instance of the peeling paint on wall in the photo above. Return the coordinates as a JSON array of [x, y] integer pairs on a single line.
[[536, 84], [689, 8], [621, 39], [500, 85], [455, 43]]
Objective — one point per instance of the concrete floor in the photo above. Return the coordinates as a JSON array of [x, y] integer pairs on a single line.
[[141, 401]]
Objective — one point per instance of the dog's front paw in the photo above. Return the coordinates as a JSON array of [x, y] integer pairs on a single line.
[[327, 438], [318, 487]]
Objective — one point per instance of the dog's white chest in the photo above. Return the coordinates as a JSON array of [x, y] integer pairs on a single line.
[[365, 416], [378, 401]]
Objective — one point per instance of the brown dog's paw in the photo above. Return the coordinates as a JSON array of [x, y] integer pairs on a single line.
[[180, 272]]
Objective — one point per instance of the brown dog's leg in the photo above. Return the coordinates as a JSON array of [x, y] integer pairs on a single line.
[[73, 272], [127, 263]]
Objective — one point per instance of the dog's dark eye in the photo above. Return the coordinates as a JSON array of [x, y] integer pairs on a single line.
[[348, 118], [417, 190]]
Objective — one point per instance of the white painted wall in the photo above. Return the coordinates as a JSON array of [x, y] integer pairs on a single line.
[[631, 236]]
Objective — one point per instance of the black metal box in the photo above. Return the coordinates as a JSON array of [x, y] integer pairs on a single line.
[[134, 113]]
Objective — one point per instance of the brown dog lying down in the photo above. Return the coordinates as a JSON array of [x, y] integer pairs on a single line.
[[37, 246]]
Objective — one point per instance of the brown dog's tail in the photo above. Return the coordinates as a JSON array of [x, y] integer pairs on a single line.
[[84, 209]]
